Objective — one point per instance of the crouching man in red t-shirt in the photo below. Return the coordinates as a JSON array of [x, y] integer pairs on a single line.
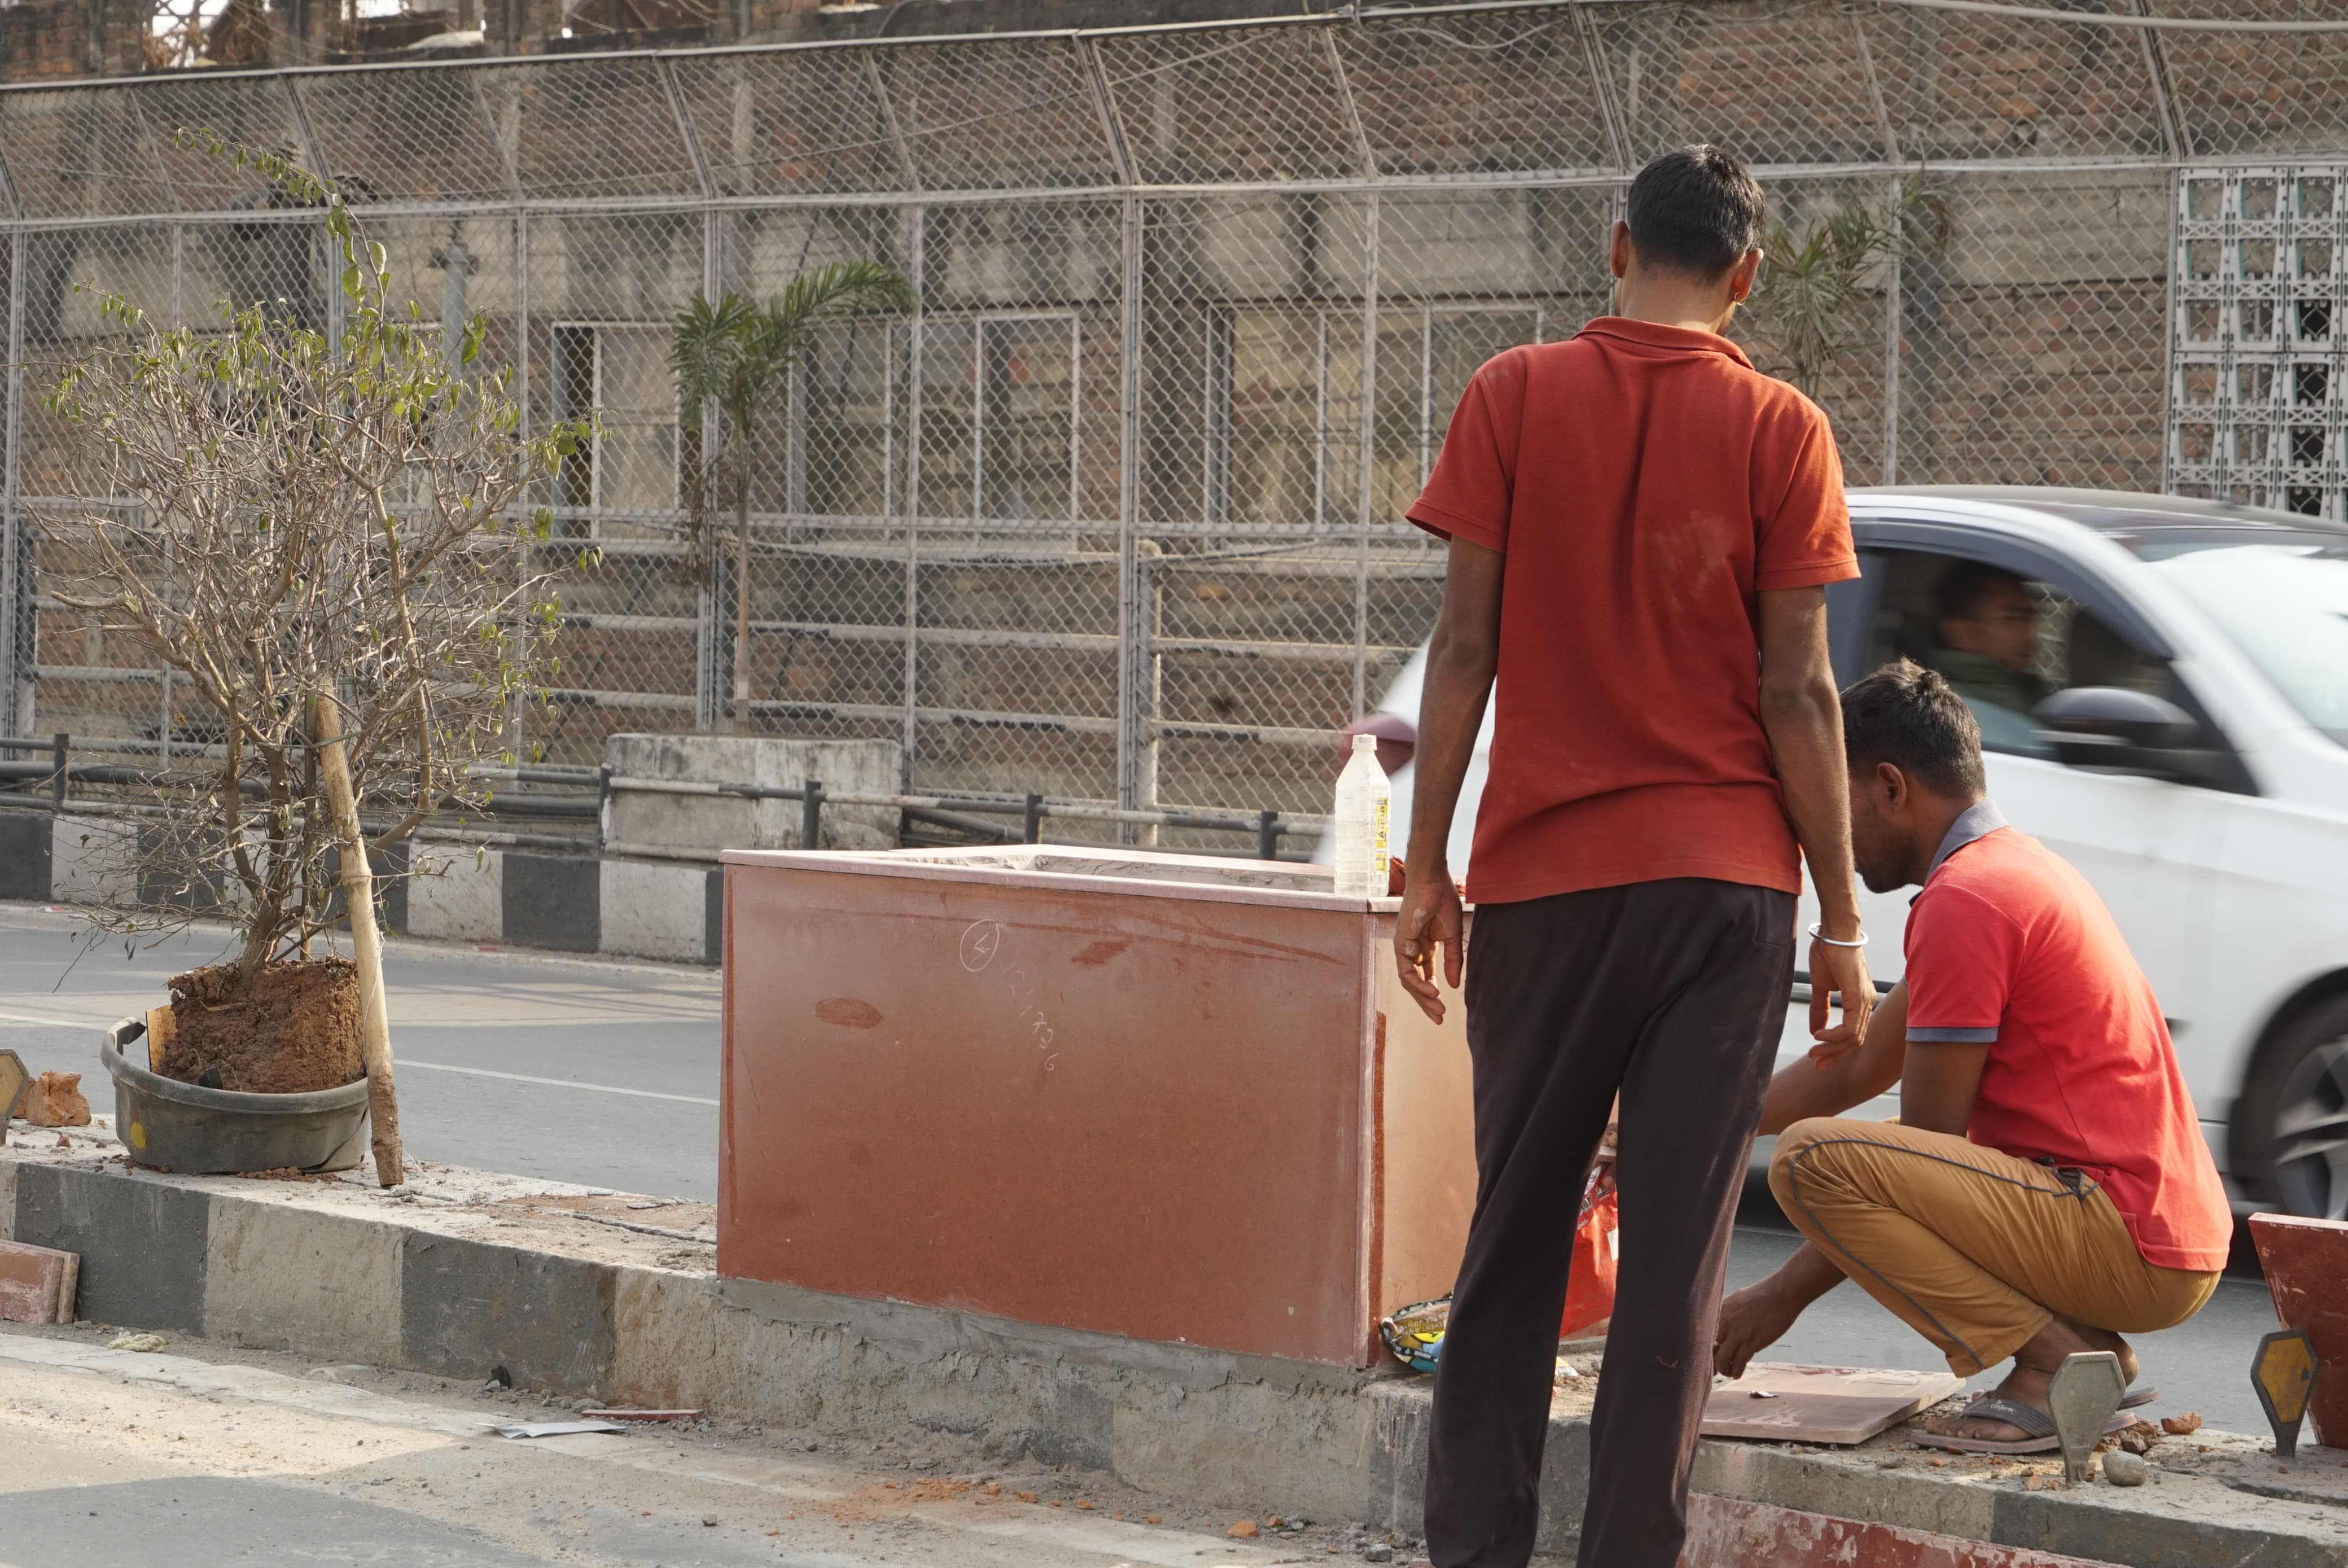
[[2046, 1188]]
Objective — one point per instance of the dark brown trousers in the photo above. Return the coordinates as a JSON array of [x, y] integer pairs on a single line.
[[1673, 992]]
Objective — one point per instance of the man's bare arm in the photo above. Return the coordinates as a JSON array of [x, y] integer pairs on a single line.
[[1938, 1085], [1803, 715], [1808, 1089], [1462, 657]]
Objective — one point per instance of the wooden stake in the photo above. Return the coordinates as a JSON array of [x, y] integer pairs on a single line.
[[366, 945]]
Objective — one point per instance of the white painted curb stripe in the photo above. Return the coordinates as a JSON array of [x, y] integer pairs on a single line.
[[555, 1083]]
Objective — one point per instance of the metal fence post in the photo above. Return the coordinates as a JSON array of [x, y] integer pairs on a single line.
[[710, 678], [914, 333], [16, 629], [811, 815], [1368, 431], [1136, 716], [1892, 307], [1139, 628]]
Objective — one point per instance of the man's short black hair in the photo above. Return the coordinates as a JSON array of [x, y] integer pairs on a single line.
[[1906, 714], [1695, 209], [1964, 588]]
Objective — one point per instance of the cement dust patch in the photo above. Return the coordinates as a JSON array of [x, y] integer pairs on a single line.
[[253, 1385], [955, 1507]]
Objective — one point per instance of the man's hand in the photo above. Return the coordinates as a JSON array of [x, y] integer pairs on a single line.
[[1751, 1321], [1839, 971], [1430, 919]]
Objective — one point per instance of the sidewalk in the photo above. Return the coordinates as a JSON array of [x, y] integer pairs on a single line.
[[109, 1452], [578, 1294]]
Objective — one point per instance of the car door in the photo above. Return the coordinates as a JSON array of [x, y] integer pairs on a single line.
[[2134, 837]]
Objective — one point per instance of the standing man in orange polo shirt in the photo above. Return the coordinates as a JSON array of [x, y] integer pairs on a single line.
[[1641, 528]]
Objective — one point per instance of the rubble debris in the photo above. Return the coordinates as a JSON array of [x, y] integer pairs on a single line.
[[1244, 1530], [54, 1100], [2140, 1437], [2124, 1469], [2181, 1426], [144, 1342]]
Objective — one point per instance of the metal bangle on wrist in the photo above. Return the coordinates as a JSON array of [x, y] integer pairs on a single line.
[[1818, 934]]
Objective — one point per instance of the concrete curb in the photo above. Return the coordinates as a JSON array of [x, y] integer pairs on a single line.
[[672, 910], [428, 1282]]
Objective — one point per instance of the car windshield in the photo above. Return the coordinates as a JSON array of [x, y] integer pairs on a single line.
[[2285, 602]]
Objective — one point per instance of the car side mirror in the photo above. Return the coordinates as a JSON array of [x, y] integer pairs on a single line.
[[2116, 730]]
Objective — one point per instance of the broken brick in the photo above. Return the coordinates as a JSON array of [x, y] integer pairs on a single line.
[[54, 1100], [37, 1284]]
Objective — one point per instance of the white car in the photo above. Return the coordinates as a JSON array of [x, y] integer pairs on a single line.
[[2192, 761]]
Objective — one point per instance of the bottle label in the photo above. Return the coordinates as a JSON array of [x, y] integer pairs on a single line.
[[1379, 812]]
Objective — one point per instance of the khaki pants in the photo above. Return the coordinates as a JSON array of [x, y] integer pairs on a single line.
[[1975, 1250]]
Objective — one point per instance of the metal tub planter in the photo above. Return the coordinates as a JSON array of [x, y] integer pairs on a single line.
[[198, 1131]]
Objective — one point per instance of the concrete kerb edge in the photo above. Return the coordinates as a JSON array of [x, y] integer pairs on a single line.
[[608, 905], [180, 1255], [1219, 1429]]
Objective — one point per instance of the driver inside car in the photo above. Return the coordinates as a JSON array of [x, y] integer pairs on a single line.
[[1989, 644]]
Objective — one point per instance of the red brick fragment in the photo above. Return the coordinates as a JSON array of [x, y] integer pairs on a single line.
[[54, 1100], [37, 1284]]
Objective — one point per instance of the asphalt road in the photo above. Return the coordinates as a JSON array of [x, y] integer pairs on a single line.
[[575, 1070], [606, 1074]]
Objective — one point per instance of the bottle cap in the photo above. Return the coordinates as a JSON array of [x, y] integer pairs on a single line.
[[1365, 742]]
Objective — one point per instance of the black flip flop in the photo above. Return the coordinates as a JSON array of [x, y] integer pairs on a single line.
[[2038, 1424]]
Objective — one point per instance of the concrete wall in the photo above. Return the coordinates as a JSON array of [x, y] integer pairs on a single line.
[[709, 823]]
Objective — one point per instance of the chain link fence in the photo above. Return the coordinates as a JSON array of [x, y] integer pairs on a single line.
[[1115, 515]]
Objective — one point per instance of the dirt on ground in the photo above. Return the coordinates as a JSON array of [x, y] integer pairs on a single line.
[[297, 1030]]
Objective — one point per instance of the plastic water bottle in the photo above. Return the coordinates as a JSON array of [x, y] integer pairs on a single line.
[[1363, 801]]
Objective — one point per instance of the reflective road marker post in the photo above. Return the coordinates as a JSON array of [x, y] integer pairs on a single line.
[[2284, 1372], [2086, 1394]]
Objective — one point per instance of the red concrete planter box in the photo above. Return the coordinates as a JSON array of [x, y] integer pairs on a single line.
[[2306, 1266], [1149, 1095]]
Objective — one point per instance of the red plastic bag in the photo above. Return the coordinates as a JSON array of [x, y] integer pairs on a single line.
[[1597, 1252]]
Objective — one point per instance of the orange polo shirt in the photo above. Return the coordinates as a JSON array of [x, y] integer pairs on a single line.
[[2008, 946], [1645, 483]]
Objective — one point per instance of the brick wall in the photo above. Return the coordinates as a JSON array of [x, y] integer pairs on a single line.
[[50, 39]]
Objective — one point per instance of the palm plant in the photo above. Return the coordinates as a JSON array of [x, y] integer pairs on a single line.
[[728, 357], [1813, 296]]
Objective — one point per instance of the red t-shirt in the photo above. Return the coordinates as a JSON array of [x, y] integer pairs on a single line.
[[1644, 482], [2009, 943]]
